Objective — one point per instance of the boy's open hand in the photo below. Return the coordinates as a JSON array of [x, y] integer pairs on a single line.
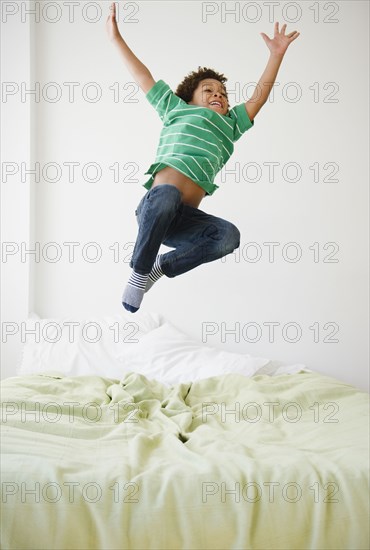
[[279, 44], [111, 25]]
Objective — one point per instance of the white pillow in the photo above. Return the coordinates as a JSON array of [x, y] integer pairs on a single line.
[[78, 347], [169, 355]]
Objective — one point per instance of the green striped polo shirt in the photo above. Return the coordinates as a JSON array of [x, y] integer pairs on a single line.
[[194, 140]]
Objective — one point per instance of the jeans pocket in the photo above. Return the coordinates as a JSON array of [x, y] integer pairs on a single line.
[[137, 216], [139, 206]]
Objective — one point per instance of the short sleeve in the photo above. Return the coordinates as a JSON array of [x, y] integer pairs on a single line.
[[242, 120], [162, 98]]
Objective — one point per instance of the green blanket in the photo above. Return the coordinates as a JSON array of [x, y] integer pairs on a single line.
[[224, 463]]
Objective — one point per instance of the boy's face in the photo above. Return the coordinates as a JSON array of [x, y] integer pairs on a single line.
[[212, 94]]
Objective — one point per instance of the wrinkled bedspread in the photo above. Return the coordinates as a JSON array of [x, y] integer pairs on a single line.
[[228, 462]]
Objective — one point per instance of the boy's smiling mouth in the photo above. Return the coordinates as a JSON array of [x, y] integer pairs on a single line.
[[216, 104]]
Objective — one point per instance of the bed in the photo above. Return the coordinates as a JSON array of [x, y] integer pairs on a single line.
[[152, 440]]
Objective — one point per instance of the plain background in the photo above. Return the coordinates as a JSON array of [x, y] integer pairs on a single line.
[[314, 128]]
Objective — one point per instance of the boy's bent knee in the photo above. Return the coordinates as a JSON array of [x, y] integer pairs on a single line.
[[231, 239], [225, 243]]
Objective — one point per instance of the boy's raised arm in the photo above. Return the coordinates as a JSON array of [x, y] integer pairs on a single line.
[[277, 46], [138, 70]]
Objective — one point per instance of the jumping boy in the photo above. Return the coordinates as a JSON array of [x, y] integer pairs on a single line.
[[195, 143]]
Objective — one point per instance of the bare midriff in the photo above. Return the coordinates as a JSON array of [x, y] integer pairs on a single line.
[[191, 193]]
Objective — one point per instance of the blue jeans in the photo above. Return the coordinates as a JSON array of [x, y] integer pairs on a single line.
[[197, 237]]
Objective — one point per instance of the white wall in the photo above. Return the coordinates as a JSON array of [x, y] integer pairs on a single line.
[[17, 193], [328, 123]]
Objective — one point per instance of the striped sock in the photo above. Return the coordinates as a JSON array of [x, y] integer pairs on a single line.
[[134, 291], [155, 274]]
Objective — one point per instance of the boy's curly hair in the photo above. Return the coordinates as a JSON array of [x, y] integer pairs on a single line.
[[186, 88]]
